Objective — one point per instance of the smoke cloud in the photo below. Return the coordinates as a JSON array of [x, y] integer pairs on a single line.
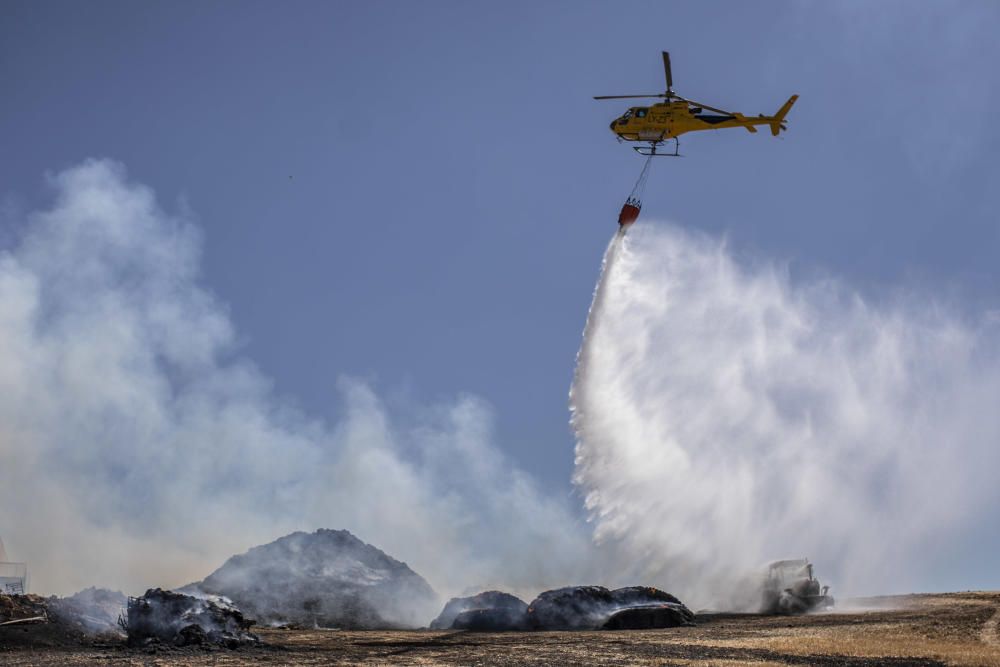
[[137, 448], [727, 417]]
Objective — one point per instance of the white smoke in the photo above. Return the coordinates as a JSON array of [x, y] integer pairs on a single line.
[[727, 417], [137, 448]]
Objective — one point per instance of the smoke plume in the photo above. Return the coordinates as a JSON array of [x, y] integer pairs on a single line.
[[138, 449], [727, 417]]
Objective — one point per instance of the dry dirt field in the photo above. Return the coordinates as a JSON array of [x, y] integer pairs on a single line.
[[947, 629]]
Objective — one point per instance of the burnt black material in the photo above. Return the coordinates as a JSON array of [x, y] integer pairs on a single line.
[[498, 609], [594, 607], [182, 620]]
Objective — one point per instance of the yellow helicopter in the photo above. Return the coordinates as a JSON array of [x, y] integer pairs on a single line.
[[676, 115]]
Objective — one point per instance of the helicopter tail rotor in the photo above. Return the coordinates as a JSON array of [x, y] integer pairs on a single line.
[[777, 123]]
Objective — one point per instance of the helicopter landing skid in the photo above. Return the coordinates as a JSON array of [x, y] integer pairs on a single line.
[[650, 151]]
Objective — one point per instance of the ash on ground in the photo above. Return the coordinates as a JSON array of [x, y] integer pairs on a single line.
[[571, 608], [327, 579], [166, 617]]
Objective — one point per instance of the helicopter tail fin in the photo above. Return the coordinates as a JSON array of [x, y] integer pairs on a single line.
[[776, 123]]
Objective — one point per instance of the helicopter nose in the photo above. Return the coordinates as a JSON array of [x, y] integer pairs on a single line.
[[612, 126]]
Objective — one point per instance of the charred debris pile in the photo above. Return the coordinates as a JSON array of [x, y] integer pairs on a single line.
[[94, 611], [596, 607], [166, 617], [98, 616], [89, 617], [23, 610], [571, 608], [486, 612]]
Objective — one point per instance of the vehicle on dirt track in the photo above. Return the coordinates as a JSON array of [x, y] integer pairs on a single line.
[[791, 588]]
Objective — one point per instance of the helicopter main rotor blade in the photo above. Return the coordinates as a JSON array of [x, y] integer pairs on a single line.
[[625, 97], [705, 106], [666, 69]]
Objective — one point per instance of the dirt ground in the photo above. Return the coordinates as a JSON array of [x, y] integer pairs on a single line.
[[948, 629]]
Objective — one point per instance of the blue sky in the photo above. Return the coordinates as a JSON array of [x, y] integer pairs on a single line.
[[420, 193]]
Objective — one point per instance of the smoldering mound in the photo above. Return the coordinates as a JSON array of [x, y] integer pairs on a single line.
[[727, 416], [328, 578]]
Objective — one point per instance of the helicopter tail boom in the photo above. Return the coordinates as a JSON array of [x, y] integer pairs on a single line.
[[776, 125]]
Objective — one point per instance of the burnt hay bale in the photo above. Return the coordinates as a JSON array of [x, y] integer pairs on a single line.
[[570, 608], [596, 607], [491, 620], [495, 610], [182, 620], [665, 615]]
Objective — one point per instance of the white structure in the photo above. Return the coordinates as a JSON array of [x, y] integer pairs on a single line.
[[13, 576]]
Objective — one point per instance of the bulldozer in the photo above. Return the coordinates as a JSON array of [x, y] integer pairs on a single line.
[[791, 588]]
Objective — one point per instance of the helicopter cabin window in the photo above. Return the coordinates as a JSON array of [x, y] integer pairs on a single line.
[[641, 113]]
